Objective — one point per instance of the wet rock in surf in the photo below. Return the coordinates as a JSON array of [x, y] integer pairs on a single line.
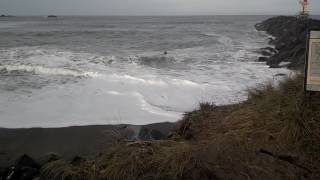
[[263, 59], [267, 51]]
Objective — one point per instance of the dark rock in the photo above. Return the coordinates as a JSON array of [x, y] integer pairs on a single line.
[[28, 173], [274, 66], [271, 40], [278, 58], [290, 39], [151, 134], [279, 74], [26, 161], [263, 59], [266, 53], [157, 135], [25, 168], [3, 71], [144, 134], [269, 50], [156, 131], [280, 45], [6, 173]]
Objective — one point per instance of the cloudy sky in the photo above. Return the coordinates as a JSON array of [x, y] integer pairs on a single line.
[[151, 7]]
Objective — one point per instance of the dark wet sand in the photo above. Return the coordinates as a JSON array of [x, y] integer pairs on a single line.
[[87, 141]]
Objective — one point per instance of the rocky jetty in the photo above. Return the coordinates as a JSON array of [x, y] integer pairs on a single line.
[[289, 39]]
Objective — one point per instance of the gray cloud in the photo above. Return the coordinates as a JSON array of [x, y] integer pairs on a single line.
[[151, 7]]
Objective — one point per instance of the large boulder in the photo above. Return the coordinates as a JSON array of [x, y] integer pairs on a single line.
[[25, 168]]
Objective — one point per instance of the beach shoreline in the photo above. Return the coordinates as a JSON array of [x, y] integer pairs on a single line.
[[209, 142]]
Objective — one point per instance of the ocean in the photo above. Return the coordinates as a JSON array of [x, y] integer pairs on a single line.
[[71, 71]]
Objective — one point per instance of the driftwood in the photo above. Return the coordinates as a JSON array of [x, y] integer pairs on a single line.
[[285, 158]]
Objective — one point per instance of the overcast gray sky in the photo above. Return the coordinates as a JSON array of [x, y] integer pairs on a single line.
[[152, 7]]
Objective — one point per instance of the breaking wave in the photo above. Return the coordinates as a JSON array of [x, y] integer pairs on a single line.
[[210, 34], [132, 79], [145, 105], [153, 81], [47, 70]]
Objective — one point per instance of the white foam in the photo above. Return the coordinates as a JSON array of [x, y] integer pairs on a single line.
[[116, 93], [284, 64], [132, 79], [146, 106], [210, 34], [49, 71], [153, 109], [245, 55], [227, 41], [182, 82]]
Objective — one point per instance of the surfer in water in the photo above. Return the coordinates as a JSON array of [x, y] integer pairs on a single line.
[[165, 53]]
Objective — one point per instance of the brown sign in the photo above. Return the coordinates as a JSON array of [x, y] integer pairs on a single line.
[[313, 62]]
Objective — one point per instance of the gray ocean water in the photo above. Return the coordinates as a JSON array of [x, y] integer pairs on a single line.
[[110, 70]]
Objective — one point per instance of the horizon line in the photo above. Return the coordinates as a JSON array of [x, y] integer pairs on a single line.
[[149, 15]]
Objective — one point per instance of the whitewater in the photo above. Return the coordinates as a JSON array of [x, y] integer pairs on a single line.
[[75, 71]]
